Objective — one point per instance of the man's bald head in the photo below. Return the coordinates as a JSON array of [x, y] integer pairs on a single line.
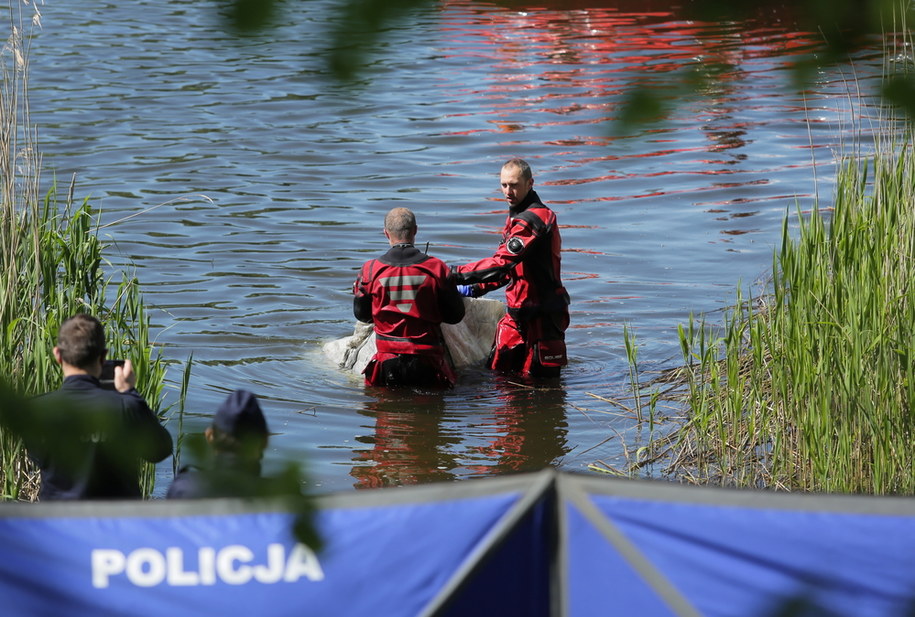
[[400, 226]]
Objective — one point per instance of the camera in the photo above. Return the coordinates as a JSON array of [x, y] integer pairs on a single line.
[[107, 377]]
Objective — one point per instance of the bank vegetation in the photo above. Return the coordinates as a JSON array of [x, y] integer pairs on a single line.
[[53, 266], [810, 385]]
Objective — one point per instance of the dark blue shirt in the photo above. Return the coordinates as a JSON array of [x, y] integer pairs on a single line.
[[226, 475], [90, 442]]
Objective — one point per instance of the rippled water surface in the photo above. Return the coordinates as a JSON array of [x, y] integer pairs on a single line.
[[259, 186]]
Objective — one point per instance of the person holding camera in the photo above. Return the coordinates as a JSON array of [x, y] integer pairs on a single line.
[[89, 441]]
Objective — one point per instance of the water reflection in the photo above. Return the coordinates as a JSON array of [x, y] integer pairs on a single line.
[[526, 430], [410, 443], [569, 70], [418, 437]]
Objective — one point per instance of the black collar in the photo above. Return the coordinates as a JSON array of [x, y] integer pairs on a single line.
[[531, 198]]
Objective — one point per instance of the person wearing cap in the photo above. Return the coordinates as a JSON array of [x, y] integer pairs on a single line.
[[407, 295], [530, 337], [89, 442], [236, 440]]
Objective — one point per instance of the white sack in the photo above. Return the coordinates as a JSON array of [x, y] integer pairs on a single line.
[[468, 342]]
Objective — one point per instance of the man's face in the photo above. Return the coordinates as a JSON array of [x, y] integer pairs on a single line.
[[514, 186]]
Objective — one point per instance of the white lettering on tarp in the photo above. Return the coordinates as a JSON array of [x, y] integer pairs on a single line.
[[226, 568], [273, 571], [177, 575], [206, 562], [105, 563], [302, 562], [145, 567], [233, 565]]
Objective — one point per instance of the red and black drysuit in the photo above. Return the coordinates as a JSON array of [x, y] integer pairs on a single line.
[[530, 338], [407, 295]]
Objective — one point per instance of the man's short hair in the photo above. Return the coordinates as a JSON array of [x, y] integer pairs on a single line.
[[400, 223], [522, 165], [81, 340]]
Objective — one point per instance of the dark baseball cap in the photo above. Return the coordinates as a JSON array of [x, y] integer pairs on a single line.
[[240, 414]]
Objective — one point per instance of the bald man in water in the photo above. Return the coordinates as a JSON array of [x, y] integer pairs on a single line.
[[407, 295]]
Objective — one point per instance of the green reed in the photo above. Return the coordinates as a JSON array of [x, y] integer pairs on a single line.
[[53, 266], [810, 386]]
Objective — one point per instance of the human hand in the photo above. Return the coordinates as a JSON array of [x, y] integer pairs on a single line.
[[465, 290], [124, 377]]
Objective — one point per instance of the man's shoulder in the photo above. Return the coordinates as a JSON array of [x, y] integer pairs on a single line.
[[76, 388], [186, 483], [85, 392], [537, 216], [435, 267], [368, 266], [435, 262]]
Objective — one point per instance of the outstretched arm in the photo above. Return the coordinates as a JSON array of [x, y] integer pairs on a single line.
[[493, 272], [451, 303]]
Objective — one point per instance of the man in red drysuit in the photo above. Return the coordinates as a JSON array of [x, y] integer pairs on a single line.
[[530, 338], [407, 294]]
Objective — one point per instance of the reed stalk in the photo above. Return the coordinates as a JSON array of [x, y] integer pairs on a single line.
[[810, 387], [53, 266]]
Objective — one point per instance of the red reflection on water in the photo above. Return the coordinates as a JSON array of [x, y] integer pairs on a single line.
[[528, 431], [579, 276], [413, 441], [568, 66], [409, 444]]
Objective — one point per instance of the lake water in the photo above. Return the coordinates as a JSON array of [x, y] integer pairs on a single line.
[[153, 105]]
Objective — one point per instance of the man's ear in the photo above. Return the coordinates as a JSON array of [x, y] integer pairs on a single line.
[[209, 434], [57, 357], [101, 360]]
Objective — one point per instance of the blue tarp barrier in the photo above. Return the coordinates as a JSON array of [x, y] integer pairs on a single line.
[[534, 545], [679, 550], [189, 559]]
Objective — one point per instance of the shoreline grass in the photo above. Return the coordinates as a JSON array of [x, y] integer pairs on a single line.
[[810, 386]]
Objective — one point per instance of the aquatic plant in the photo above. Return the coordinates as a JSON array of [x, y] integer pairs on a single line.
[[810, 386], [53, 266]]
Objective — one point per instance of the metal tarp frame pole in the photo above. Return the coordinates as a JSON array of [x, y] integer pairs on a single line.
[[536, 487], [571, 492]]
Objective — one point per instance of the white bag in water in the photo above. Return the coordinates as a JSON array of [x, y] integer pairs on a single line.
[[468, 342]]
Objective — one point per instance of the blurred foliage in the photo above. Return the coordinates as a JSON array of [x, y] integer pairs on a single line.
[[284, 487], [249, 16], [357, 26]]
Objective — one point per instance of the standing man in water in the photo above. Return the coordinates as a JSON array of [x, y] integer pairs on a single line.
[[407, 295], [530, 338]]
